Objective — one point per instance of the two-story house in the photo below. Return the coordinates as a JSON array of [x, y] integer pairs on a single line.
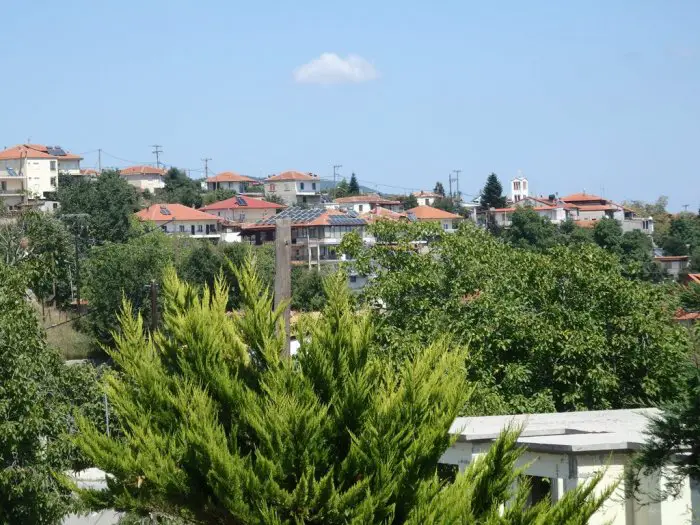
[[229, 180], [316, 232], [178, 219], [425, 198], [30, 171], [552, 208], [295, 188], [364, 203], [243, 209], [448, 221], [587, 207], [144, 177]]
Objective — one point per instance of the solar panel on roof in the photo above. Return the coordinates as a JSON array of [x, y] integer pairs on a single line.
[[56, 151], [164, 211], [11, 171], [241, 201]]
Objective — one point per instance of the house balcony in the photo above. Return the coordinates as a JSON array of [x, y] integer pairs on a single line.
[[6, 175]]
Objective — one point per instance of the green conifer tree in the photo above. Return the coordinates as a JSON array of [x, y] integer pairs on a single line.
[[218, 428]]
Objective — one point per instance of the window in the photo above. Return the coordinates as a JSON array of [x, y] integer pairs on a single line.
[[301, 186], [52, 165], [53, 182], [360, 207], [516, 185], [313, 185], [164, 228], [353, 278], [446, 225], [3, 186], [272, 187], [524, 185], [55, 205], [200, 228], [182, 228]]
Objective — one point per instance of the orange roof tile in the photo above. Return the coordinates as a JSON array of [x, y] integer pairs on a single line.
[[33, 151], [90, 172], [426, 194], [694, 278], [585, 223], [380, 213], [292, 175], [682, 315], [583, 197], [229, 176], [141, 170], [671, 258], [430, 213], [250, 202], [370, 198], [597, 207], [174, 212]]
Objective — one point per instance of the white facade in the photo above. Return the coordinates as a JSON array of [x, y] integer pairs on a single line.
[[568, 449], [38, 176], [238, 187], [145, 181], [519, 189], [192, 228], [244, 214]]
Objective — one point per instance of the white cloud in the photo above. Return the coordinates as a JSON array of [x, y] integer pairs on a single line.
[[329, 68]]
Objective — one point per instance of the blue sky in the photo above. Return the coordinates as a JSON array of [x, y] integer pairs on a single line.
[[593, 95]]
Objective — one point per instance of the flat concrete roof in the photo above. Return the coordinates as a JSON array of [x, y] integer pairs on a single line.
[[591, 431]]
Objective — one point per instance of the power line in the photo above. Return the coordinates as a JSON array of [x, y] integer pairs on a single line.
[[206, 166]]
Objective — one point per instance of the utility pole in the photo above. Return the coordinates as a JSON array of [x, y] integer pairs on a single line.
[[685, 208], [457, 172], [449, 181], [157, 150], [206, 167], [335, 169], [283, 277], [77, 219], [154, 307], [99, 161]]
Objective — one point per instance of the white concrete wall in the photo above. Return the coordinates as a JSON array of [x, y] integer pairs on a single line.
[[425, 201], [238, 187], [145, 181], [175, 227], [249, 214], [286, 190]]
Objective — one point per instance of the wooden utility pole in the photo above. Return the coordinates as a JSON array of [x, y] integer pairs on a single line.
[[283, 274]]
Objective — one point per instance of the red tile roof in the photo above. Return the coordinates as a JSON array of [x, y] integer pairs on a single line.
[[597, 207], [536, 208], [430, 213], [380, 213], [583, 197], [370, 198], [682, 315], [426, 194], [251, 203], [177, 212], [694, 278], [33, 151], [292, 175], [141, 170], [229, 176], [585, 223], [90, 172], [671, 258]]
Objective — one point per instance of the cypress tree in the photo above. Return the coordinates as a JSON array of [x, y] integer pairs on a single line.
[[492, 194]]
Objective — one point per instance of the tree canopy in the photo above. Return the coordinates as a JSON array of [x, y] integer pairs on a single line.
[[235, 434], [492, 193], [109, 201], [410, 202], [180, 188], [439, 189], [559, 330], [354, 186]]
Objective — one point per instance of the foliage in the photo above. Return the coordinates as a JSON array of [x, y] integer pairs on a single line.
[[110, 202], [655, 210], [342, 189], [694, 265], [354, 186], [410, 202], [115, 271], [37, 393], [219, 429], [492, 193], [675, 431], [220, 194], [690, 297], [179, 188], [607, 233], [307, 289], [446, 204], [531, 231], [273, 197], [562, 330], [439, 189], [351, 244], [683, 235]]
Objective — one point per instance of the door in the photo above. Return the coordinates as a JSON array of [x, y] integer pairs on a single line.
[[193, 229]]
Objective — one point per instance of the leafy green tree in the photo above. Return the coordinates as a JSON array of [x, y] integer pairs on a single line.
[[122, 270], [273, 197], [179, 188], [694, 266], [342, 189], [307, 290], [492, 193], [109, 201], [235, 434], [217, 195], [562, 330], [354, 186], [37, 396], [531, 231], [446, 204], [439, 189], [572, 234], [683, 235], [410, 202], [607, 233], [674, 439], [690, 297]]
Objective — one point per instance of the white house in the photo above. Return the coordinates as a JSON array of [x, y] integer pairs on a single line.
[[29, 171], [425, 198], [229, 180], [565, 450], [183, 220], [587, 207], [295, 188], [242, 209], [673, 264], [447, 220], [365, 203], [144, 177], [553, 209]]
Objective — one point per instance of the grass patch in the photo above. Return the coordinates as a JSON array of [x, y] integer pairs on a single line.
[[71, 343]]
